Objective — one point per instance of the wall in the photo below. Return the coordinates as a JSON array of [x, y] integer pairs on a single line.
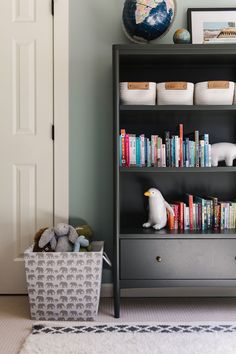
[[94, 27]]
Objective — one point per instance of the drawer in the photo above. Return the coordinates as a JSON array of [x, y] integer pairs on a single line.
[[178, 259]]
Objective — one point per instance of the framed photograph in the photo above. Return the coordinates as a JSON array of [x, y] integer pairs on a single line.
[[212, 25]]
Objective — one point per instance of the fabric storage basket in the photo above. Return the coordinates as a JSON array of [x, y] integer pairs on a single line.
[[64, 285], [214, 93], [138, 93], [175, 93]]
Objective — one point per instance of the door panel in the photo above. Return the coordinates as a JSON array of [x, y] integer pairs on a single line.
[[26, 148]]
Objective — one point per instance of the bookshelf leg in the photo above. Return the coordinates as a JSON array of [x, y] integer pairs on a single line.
[[116, 301]]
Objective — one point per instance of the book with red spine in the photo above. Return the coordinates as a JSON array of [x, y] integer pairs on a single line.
[[175, 207], [123, 157], [171, 220], [180, 215], [190, 203], [181, 137], [127, 150]]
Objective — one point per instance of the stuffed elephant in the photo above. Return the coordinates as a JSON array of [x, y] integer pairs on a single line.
[[61, 238]]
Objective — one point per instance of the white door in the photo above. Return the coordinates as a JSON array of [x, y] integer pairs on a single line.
[[26, 146]]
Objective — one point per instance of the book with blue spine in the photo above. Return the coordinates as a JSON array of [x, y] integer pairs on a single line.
[[206, 150], [138, 161]]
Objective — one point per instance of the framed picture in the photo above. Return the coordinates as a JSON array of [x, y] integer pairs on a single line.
[[212, 25]]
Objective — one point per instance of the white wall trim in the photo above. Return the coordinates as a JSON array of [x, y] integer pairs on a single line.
[[107, 291], [61, 111]]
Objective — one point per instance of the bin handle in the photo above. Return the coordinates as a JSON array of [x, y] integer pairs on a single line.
[[107, 259]]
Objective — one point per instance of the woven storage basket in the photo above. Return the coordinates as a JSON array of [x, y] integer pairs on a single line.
[[64, 285], [214, 93], [138, 93], [175, 93]]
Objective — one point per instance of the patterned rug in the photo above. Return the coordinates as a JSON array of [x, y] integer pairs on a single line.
[[132, 338]]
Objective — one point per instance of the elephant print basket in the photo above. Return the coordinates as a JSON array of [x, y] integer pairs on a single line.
[[64, 285]]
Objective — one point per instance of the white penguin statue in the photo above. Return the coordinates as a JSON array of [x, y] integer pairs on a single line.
[[157, 209]]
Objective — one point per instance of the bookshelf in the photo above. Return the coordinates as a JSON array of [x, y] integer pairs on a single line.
[[149, 258]]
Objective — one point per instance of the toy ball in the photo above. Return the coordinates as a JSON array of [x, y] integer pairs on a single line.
[[147, 20], [182, 36]]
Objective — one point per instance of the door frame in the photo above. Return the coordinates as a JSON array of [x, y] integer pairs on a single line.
[[61, 111]]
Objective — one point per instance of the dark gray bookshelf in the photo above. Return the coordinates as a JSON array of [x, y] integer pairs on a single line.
[[149, 258]]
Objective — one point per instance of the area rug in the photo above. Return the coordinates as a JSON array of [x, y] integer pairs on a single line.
[[132, 338]]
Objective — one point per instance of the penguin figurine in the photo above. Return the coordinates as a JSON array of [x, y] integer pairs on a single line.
[[157, 210]]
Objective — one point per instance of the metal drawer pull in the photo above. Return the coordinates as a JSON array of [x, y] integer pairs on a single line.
[[158, 259]]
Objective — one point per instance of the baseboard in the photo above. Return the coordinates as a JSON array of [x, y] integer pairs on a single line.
[[107, 291]]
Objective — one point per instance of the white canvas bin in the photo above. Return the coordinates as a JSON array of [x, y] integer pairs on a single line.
[[138, 93], [175, 93], [64, 285], [214, 93]]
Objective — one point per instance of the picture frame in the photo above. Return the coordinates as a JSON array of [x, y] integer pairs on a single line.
[[212, 25]]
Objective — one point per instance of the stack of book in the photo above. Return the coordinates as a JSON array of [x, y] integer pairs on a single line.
[[202, 214], [170, 151]]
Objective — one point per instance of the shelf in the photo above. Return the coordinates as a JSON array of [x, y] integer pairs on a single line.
[[212, 108], [176, 169], [140, 233]]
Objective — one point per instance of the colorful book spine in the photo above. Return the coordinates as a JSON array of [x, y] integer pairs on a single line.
[[202, 153], [167, 143], [197, 159], [181, 137], [149, 154], [163, 158], [132, 149], [187, 149], [127, 156], [176, 148], [142, 150], [206, 150], [123, 159], [138, 158], [190, 203]]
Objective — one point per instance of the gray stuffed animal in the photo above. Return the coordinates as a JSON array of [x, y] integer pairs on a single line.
[[61, 237]]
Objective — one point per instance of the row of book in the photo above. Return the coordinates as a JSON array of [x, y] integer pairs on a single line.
[[202, 214], [172, 151]]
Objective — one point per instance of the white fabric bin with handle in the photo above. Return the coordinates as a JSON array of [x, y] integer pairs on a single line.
[[138, 93], [64, 285], [175, 93], [214, 93]]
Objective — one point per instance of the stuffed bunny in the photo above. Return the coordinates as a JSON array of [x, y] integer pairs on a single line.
[[61, 238]]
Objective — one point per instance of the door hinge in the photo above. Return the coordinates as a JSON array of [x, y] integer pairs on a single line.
[[52, 7], [52, 131]]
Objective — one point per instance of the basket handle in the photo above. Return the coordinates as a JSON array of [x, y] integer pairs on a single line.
[[106, 259]]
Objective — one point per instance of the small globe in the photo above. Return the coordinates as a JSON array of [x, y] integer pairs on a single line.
[[147, 20], [182, 36]]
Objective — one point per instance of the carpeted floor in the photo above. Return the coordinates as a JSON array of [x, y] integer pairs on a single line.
[[15, 323]]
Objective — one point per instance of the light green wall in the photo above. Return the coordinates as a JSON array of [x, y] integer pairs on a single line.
[[94, 27]]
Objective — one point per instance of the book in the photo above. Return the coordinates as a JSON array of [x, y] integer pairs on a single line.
[[123, 159], [196, 136], [190, 204], [206, 150], [181, 134], [132, 149]]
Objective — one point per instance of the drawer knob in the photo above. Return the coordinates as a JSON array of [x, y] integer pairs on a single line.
[[158, 259]]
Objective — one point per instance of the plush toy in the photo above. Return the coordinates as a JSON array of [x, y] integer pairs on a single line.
[[157, 209], [80, 242], [223, 152], [61, 238], [36, 248], [86, 231]]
